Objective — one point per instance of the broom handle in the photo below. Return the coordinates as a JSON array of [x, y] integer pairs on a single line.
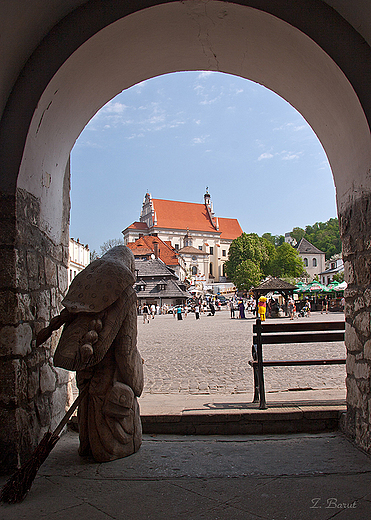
[[70, 411]]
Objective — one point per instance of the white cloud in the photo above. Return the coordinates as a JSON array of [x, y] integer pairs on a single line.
[[265, 155], [204, 74], [115, 107], [200, 140], [210, 101], [291, 155], [291, 126]]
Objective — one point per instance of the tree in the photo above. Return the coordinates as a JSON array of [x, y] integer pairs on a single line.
[[106, 246], [297, 233], [109, 244], [93, 255], [247, 275], [339, 277], [325, 236], [276, 240], [253, 248], [286, 262]]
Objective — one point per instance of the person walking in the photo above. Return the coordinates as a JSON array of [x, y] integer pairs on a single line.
[[231, 308], [197, 312], [145, 313], [179, 313], [153, 310], [241, 308]]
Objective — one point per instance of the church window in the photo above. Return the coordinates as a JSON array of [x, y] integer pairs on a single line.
[[306, 262], [224, 253], [314, 261], [211, 250], [211, 269], [194, 270], [200, 248]]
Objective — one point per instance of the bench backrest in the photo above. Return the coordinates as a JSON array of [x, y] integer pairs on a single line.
[[312, 332]]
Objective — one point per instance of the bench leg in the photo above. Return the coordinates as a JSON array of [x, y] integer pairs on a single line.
[[263, 404], [256, 385]]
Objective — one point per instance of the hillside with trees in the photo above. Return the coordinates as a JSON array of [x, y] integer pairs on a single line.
[[324, 235]]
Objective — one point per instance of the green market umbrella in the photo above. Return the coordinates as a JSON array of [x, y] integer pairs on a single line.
[[315, 287], [301, 287]]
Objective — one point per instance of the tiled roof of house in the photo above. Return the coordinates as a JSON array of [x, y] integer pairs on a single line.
[[152, 268], [146, 246], [229, 228], [190, 250], [182, 215], [306, 247], [156, 275], [138, 225]]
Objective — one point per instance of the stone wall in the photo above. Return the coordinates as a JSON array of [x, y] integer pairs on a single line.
[[33, 393], [355, 228]]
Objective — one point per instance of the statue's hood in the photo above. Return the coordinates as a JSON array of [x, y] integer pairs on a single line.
[[102, 282]]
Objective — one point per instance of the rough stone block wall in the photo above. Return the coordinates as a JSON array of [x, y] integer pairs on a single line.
[[33, 392], [355, 228]]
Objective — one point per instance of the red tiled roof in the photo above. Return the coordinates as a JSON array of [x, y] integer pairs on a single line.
[[229, 228], [182, 215], [145, 246], [137, 225]]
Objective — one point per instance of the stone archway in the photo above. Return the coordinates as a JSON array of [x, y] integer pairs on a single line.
[[70, 88]]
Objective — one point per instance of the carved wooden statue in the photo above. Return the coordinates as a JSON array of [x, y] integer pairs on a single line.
[[99, 342]]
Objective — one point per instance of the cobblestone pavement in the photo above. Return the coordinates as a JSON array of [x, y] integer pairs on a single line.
[[210, 356]]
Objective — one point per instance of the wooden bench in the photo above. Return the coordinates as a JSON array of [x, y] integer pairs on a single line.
[[282, 333]]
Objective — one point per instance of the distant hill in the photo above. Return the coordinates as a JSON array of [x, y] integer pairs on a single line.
[[324, 235]]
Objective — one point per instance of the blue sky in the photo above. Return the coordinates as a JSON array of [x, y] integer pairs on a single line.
[[176, 134]]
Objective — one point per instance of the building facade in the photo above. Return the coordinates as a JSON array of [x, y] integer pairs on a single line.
[[334, 266], [147, 247], [193, 230], [79, 258], [314, 259], [157, 284]]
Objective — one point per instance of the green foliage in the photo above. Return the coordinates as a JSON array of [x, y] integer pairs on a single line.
[[339, 277], [276, 240], [251, 258], [254, 253], [297, 233], [286, 262], [247, 275], [325, 236]]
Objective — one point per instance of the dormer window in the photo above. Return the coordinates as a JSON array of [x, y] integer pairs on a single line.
[[161, 286]]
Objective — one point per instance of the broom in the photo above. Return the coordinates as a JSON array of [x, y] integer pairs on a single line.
[[21, 481]]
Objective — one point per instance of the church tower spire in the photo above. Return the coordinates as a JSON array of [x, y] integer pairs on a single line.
[[209, 209]]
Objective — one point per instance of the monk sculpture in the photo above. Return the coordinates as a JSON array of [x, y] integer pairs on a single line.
[[99, 342]]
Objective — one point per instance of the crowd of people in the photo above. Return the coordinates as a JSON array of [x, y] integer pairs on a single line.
[[238, 308]]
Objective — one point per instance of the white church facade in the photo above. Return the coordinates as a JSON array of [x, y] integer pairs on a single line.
[[201, 238]]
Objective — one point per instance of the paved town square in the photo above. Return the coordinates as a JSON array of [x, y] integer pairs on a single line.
[[210, 356]]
